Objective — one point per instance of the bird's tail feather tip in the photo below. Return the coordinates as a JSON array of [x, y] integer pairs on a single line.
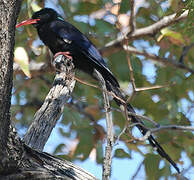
[[162, 153]]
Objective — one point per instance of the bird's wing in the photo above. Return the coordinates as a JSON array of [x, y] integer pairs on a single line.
[[70, 34]]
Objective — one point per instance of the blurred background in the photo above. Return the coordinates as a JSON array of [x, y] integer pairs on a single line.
[[79, 135]]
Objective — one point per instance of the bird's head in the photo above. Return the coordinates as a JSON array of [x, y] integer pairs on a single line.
[[41, 17]]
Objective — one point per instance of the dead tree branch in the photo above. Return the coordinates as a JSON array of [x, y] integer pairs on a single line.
[[49, 113]]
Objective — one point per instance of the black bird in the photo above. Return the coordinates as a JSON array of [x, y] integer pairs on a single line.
[[63, 38]]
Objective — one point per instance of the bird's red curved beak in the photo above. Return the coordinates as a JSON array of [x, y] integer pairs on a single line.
[[26, 22]]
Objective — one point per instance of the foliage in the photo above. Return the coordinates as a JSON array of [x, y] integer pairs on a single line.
[[83, 116]]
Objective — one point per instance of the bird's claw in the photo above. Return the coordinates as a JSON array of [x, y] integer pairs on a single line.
[[66, 54]]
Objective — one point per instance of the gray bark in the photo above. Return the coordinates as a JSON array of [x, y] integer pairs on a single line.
[[52, 108], [8, 14]]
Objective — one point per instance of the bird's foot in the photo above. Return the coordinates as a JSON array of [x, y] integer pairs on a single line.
[[66, 54]]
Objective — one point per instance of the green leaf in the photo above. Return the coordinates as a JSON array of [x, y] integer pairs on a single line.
[[59, 148], [124, 6], [86, 143], [120, 153], [151, 162], [87, 7], [99, 152], [176, 37]]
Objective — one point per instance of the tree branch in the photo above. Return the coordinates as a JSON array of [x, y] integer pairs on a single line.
[[167, 127], [132, 17], [32, 164], [173, 127], [137, 171], [132, 78], [49, 113], [162, 127], [158, 127], [118, 44], [164, 61], [110, 135]]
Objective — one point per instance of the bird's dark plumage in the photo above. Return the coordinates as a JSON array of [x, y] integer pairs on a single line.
[[61, 36]]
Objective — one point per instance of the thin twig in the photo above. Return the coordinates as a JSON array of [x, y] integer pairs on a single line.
[[162, 127], [137, 171], [157, 125], [167, 127], [121, 133], [173, 127], [145, 137], [132, 16], [154, 87], [131, 74], [110, 135], [86, 83], [164, 61], [94, 86], [132, 29], [135, 89]]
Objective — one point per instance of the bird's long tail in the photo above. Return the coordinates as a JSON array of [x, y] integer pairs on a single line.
[[120, 100]]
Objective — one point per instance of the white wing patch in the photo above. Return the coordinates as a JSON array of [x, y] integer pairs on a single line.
[[67, 41]]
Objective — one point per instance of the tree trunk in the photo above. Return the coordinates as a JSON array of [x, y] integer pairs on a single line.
[[8, 14]]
